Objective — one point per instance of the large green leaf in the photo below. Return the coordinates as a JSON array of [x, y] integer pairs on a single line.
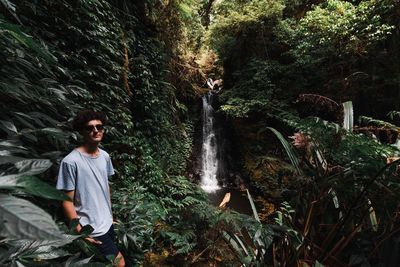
[[34, 249], [245, 259], [54, 155], [6, 158], [257, 235], [11, 147], [24, 119], [33, 166], [28, 134], [10, 7], [72, 263], [31, 185], [44, 118], [253, 207], [288, 148], [8, 127], [26, 41], [20, 219]]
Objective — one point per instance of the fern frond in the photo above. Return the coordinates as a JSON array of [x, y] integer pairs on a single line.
[[394, 115], [377, 123]]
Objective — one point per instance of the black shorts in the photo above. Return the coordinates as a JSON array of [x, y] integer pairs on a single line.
[[107, 246]]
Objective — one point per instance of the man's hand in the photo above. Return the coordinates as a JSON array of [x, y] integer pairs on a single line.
[[93, 241], [78, 228], [89, 239]]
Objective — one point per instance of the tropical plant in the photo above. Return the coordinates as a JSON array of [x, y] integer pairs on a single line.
[[28, 233], [343, 206]]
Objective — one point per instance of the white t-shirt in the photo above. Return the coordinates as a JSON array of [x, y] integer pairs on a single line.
[[88, 176]]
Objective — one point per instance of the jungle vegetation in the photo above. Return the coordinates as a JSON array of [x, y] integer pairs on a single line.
[[331, 198]]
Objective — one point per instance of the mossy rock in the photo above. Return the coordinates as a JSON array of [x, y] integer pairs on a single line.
[[272, 175]]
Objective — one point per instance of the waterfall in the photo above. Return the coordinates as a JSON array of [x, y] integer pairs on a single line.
[[348, 116], [209, 182], [397, 144]]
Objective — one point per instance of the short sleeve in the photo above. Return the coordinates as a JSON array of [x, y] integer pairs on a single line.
[[66, 176], [110, 168]]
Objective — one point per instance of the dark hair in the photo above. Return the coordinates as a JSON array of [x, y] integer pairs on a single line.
[[85, 116]]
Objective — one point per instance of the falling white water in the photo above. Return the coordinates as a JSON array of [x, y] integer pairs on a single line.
[[209, 182], [348, 116], [397, 144]]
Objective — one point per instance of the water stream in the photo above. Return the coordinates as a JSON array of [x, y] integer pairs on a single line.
[[213, 165], [209, 181], [348, 119]]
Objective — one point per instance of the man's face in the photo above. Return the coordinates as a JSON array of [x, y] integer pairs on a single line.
[[93, 131]]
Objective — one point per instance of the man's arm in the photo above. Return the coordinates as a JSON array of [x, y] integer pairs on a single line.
[[69, 209], [70, 212]]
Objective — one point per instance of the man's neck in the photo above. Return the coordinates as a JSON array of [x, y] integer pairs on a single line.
[[89, 148]]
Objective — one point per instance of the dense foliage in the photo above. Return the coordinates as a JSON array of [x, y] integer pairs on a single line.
[[286, 62], [60, 57], [288, 65], [340, 49]]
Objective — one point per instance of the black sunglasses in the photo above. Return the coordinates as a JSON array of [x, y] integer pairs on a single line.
[[98, 127]]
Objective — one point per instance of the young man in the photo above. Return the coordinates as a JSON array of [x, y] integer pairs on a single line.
[[83, 175]]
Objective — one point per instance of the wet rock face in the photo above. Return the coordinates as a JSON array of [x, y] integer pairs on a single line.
[[193, 170], [229, 154]]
